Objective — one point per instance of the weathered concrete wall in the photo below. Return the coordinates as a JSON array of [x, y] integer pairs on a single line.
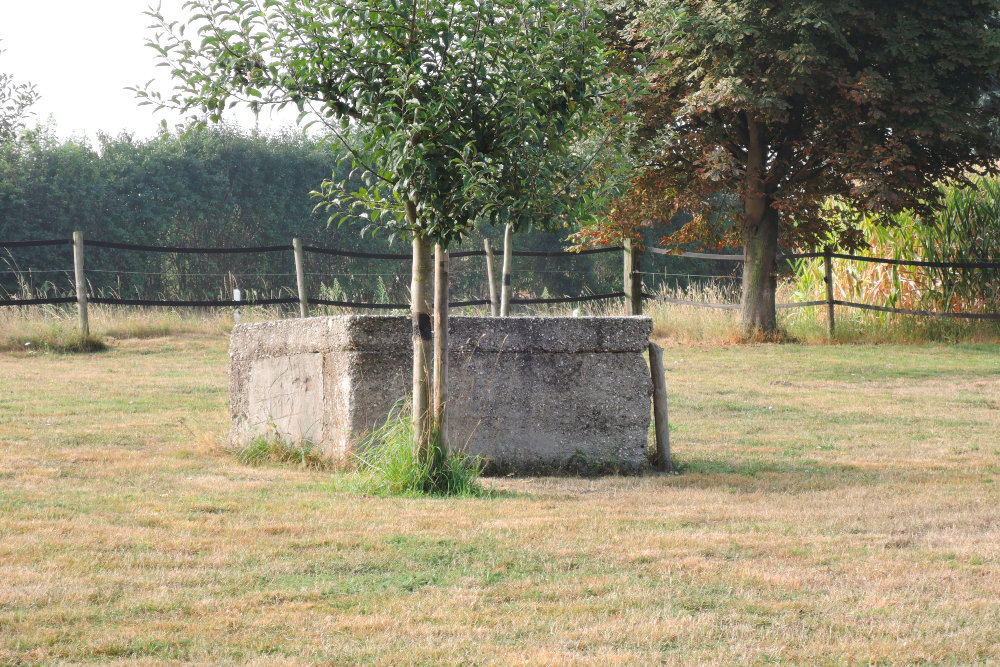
[[527, 394]]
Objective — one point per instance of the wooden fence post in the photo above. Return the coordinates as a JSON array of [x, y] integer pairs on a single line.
[[508, 259], [828, 279], [300, 277], [81, 284], [633, 279], [491, 277], [661, 424]]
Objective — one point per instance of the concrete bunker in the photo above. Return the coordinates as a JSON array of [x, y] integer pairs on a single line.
[[526, 394]]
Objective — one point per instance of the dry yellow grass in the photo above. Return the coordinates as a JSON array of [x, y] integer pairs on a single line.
[[836, 505]]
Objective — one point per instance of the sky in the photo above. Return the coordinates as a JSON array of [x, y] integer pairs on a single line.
[[82, 54]]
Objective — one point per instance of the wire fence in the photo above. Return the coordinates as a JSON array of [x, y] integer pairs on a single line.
[[634, 279], [333, 295], [828, 255]]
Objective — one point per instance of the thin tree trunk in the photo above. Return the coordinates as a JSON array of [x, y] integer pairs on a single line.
[[422, 338], [491, 277], [760, 280], [441, 262]]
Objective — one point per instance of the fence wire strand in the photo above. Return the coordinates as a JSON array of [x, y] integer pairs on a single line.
[[986, 264]]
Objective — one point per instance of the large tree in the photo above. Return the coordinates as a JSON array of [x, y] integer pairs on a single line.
[[454, 113], [758, 111]]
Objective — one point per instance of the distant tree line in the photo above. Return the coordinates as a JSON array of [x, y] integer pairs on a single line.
[[220, 187]]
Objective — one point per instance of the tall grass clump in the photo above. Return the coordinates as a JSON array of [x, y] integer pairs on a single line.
[[272, 448], [388, 464], [45, 329], [55, 328], [680, 323]]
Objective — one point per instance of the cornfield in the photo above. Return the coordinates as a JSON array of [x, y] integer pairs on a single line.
[[965, 228]]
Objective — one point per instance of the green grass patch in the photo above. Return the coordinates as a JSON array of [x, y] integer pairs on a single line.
[[271, 448], [52, 338], [388, 463], [854, 522]]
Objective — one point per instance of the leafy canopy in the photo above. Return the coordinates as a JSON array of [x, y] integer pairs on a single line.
[[788, 102], [15, 100], [452, 112]]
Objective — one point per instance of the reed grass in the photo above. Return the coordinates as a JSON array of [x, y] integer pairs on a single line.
[[685, 324], [56, 328]]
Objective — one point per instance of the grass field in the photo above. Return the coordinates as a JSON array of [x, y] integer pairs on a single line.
[[837, 505]]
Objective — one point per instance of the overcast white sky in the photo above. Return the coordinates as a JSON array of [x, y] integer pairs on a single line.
[[81, 54]]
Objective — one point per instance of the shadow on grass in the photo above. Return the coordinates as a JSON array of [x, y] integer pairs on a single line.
[[361, 576], [758, 474]]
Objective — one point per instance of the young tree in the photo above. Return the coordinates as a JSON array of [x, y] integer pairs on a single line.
[[454, 112], [769, 107], [15, 100]]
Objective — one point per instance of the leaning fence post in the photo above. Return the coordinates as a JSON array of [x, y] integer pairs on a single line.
[[508, 258], [828, 279], [633, 280], [490, 276], [300, 277], [81, 283], [661, 424]]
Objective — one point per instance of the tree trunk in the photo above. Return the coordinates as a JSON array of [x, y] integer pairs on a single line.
[[760, 280], [422, 337], [441, 261], [491, 278], [760, 238]]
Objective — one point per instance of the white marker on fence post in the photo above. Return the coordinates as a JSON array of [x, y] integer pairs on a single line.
[[508, 258], [661, 424], [81, 283], [491, 277], [237, 296], [633, 281], [300, 277], [828, 279]]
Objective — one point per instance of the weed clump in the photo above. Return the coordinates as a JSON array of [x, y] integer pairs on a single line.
[[272, 448], [53, 340], [388, 464]]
